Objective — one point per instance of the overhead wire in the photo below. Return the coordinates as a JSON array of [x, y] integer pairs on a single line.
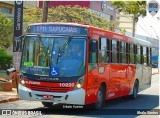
[[145, 26]]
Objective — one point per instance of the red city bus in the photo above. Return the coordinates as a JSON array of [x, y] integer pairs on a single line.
[[72, 63]]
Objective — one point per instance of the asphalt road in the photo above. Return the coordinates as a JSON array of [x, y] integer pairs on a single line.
[[124, 107]]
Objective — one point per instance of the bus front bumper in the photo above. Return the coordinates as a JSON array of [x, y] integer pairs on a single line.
[[71, 97]]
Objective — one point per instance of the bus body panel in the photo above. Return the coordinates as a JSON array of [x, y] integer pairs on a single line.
[[143, 74], [118, 79], [131, 76], [92, 86]]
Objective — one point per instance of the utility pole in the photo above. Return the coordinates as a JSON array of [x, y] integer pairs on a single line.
[[133, 29], [45, 11]]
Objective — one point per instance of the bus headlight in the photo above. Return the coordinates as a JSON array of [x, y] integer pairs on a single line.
[[22, 82], [79, 83]]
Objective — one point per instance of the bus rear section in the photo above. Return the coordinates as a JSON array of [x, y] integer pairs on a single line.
[[118, 66]]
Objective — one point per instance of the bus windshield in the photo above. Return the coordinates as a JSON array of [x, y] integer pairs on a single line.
[[54, 56]]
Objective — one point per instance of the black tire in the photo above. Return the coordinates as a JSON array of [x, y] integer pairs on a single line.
[[135, 90], [48, 104], [100, 98]]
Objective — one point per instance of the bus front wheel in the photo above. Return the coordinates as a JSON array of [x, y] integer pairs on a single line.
[[100, 98], [47, 104]]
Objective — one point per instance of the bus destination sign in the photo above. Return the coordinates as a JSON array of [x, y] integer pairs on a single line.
[[57, 29]]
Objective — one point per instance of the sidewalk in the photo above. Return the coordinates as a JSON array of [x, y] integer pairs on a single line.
[[8, 96], [12, 95], [154, 71]]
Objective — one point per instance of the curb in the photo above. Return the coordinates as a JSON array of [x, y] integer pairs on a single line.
[[9, 100]]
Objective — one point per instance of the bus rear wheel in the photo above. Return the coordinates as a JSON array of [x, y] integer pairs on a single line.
[[100, 98], [48, 104], [135, 90]]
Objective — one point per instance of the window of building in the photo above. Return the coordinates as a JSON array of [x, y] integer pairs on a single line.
[[111, 17], [6, 10]]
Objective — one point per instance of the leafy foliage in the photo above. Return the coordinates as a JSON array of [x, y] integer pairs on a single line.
[[6, 32], [6, 60], [137, 8], [68, 14]]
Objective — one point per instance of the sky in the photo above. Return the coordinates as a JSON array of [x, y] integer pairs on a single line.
[[149, 25]]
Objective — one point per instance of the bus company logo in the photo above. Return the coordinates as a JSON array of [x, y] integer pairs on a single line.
[[6, 112], [105, 6], [153, 7], [47, 88], [18, 2]]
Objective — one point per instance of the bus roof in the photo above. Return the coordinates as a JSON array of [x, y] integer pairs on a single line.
[[60, 23], [141, 42], [132, 39]]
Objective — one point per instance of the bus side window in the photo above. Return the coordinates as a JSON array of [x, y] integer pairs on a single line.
[[103, 47], [142, 59], [114, 51], [104, 50], [93, 52], [123, 52], [108, 51], [135, 52], [127, 53], [150, 56], [144, 56], [119, 46], [131, 48], [138, 55]]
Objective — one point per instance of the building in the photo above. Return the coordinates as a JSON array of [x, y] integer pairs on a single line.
[[102, 8], [125, 22], [7, 7]]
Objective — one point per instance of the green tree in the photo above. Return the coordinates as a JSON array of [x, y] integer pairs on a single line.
[[68, 14], [137, 8], [6, 32]]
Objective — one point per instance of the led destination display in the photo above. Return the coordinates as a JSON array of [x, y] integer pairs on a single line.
[[57, 29]]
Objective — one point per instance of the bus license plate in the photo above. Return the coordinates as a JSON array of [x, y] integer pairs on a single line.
[[47, 97]]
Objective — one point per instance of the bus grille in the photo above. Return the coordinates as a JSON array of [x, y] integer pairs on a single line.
[[49, 89]]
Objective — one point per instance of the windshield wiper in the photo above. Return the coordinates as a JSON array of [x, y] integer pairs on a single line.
[[61, 51]]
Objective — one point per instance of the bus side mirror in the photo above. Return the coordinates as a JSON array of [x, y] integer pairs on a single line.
[[10, 71], [18, 43]]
